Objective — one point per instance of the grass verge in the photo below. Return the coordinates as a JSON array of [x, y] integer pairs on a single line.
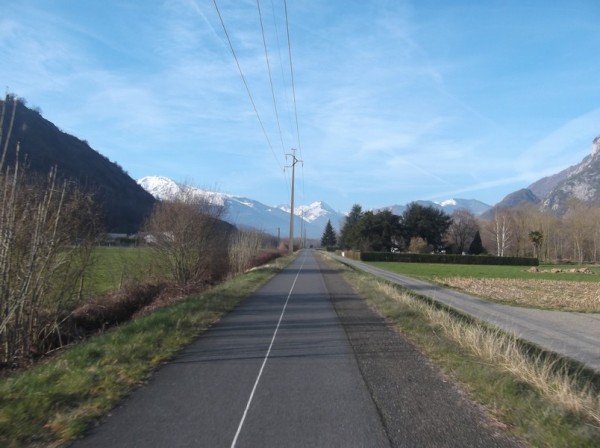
[[54, 402], [539, 398]]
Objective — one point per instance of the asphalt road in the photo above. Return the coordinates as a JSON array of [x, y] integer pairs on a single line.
[[574, 335], [303, 362]]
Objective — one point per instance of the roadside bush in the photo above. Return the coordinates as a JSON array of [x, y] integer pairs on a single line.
[[265, 257], [418, 245], [105, 311], [189, 240], [243, 249]]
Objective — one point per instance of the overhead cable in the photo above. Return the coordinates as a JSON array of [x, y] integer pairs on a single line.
[[287, 27], [262, 29], [246, 83]]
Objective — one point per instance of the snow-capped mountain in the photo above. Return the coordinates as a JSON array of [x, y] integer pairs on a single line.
[[159, 186], [317, 213], [164, 188], [246, 212], [448, 206]]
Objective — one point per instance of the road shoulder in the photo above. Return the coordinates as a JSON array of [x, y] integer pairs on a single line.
[[417, 403]]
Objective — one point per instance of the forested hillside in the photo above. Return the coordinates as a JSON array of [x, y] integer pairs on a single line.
[[122, 202]]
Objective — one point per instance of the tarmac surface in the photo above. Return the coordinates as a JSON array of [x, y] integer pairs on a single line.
[[303, 362]]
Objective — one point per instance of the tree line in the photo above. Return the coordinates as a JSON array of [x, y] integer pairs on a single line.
[[525, 231]]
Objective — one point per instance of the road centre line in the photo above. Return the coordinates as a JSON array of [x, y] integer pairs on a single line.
[[239, 429]]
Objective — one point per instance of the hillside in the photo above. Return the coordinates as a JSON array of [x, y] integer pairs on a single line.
[[580, 182], [123, 203]]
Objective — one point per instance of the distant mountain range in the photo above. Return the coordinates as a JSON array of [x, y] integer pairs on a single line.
[[245, 212], [448, 206], [553, 193]]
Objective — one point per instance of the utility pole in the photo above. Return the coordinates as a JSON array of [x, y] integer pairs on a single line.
[[302, 229], [293, 166]]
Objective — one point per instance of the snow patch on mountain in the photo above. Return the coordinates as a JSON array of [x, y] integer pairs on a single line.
[[246, 212], [312, 212], [447, 202], [164, 188], [160, 187]]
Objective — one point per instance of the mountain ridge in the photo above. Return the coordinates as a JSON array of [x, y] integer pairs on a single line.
[[312, 218], [553, 193], [123, 204]]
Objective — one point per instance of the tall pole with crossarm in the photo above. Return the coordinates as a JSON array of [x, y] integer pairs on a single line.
[[293, 166]]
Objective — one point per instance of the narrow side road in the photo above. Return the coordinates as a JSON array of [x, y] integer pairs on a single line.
[[574, 335], [287, 368]]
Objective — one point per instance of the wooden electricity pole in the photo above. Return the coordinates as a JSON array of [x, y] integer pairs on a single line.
[[293, 166]]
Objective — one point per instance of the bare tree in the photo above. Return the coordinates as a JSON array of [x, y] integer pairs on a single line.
[[595, 233], [189, 239], [462, 230], [579, 225], [47, 229], [244, 246], [501, 228]]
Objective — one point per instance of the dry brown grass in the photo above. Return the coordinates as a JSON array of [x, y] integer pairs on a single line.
[[547, 294], [504, 351]]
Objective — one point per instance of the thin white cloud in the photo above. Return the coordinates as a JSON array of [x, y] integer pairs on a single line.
[[395, 99]]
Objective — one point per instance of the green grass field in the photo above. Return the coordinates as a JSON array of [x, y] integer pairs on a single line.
[[429, 271], [114, 266]]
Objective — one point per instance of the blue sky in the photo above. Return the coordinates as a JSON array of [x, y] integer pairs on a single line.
[[396, 100]]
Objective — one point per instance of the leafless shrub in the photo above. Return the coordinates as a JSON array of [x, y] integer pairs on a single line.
[[265, 256], [120, 306], [244, 247], [46, 234], [418, 245], [188, 238]]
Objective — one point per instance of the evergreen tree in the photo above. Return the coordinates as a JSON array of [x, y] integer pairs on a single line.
[[379, 232], [328, 239], [476, 247], [350, 233], [428, 223]]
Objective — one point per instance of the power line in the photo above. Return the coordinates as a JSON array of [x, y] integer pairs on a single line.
[[262, 29], [271, 84], [287, 27], [245, 83]]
